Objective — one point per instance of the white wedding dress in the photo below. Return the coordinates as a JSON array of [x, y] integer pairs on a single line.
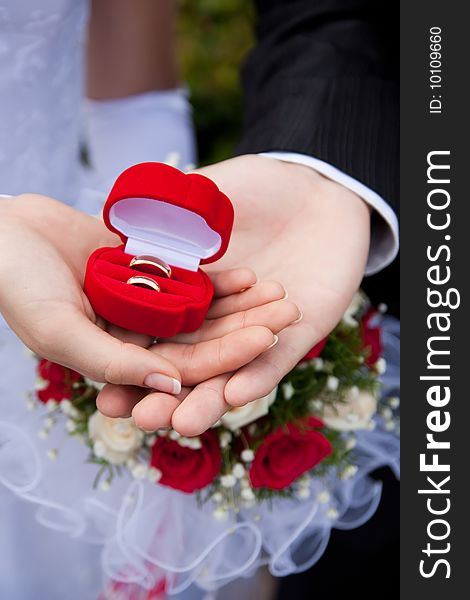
[[48, 511], [42, 125]]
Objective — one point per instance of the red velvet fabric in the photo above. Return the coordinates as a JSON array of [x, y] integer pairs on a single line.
[[184, 300], [192, 191]]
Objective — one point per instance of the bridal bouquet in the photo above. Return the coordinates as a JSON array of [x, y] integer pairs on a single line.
[[274, 447]]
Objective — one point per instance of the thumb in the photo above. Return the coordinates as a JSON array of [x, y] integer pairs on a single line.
[[81, 345]]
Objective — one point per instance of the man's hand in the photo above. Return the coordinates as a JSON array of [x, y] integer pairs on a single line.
[[309, 233], [294, 226]]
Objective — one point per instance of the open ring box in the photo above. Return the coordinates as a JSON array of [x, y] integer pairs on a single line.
[[183, 219]]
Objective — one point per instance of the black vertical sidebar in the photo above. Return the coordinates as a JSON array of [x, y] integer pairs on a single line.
[[435, 242]]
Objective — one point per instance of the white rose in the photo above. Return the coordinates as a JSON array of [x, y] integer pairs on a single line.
[[355, 412], [242, 415], [115, 440]]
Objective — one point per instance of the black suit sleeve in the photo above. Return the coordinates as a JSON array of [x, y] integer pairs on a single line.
[[323, 81]]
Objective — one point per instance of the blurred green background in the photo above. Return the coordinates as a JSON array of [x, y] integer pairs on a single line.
[[214, 38]]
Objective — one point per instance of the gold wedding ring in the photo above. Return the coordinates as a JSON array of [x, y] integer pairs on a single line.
[[144, 282], [151, 265]]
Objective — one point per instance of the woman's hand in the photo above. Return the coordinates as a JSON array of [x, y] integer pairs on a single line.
[[44, 247]]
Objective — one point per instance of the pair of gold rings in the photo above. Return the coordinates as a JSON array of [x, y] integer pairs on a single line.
[[152, 266]]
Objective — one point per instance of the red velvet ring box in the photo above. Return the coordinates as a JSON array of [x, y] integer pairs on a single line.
[[183, 219]]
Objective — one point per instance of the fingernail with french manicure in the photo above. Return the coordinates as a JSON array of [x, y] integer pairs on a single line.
[[299, 318], [163, 383]]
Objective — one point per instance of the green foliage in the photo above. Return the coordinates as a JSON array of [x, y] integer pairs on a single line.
[[214, 38]]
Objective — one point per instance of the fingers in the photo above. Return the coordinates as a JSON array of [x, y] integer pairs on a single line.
[[202, 408], [199, 362], [261, 376], [261, 293], [232, 281], [190, 413], [124, 335], [155, 411], [274, 315], [79, 344], [119, 400]]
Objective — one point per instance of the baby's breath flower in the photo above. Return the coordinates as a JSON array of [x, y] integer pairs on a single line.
[[354, 391], [225, 438], [238, 470], [332, 383], [194, 443], [51, 405], [228, 481], [247, 455], [247, 494], [318, 363], [348, 472], [316, 404], [40, 384], [381, 366], [288, 390], [220, 513], [139, 471], [323, 497], [154, 474], [70, 425], [65, 406], [131, 463]]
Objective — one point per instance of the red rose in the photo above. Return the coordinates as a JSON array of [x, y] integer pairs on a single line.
[[185, 469], [371, 338], [286, 455], [59, 381], [315, 351]]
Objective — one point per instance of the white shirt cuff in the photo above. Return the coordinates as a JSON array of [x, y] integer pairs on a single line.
[[384, 241]]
